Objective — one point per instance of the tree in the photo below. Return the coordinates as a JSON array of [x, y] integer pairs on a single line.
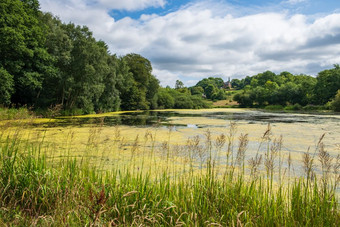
[[336, 102], [140, 69], [109, 99], [209, 91], [262, 78], [197, 90], [236, 83], [244, 99], [183, 101], [179, 84], [22, 52], [59, 45], [6, 88], [219, 95], [165, 100], [327, 85], [152, 89]]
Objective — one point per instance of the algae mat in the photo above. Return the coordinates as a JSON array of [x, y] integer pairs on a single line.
[[155, 138]]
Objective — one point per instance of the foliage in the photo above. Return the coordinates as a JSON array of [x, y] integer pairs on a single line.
[[144, 87], [165, 100], [213, 88], [45, 62], [336, 102], [270, 89], [15, 113], [6, 88], [180, 99], [22, 52], [179, 84], [328, 83]]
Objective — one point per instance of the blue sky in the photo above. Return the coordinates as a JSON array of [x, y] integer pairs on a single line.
[[190, 40], [170, 6], [249, 6]]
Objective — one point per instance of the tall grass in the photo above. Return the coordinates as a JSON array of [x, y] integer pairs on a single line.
[[14, 114], [35, 190]]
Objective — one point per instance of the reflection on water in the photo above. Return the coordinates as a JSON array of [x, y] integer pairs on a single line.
[[192, 126], [149, 118]]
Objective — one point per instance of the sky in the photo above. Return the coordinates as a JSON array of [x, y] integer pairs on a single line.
[[189, 40]]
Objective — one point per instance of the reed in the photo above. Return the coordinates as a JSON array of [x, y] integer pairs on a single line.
[[36, 191]]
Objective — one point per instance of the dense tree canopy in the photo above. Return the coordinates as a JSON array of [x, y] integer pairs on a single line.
[[22, 51], [286, 89], [212, 87], [328, 83]]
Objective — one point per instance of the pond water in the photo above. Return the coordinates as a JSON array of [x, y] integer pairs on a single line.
[[300, 132]]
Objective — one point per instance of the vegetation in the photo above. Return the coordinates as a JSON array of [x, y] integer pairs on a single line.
[[335, 104], [285, 89], [39, 190], [212, 88], [61, 68], [14, 114]]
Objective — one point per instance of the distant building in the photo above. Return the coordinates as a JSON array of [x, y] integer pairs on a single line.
[[227, 85]]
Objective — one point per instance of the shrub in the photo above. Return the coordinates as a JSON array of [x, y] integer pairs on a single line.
[[312, 108], [294, 107], [335, 104], [274, 107]]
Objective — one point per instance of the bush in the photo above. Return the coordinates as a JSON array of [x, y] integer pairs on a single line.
[[165, 100], [294, 107], [335, 104], [199, 103], [183, 102], [14, 114], [72, 112], [312, 108], [6, 87], [274, 107]]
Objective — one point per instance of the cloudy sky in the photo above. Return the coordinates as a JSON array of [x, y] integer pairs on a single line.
[[192, 39]]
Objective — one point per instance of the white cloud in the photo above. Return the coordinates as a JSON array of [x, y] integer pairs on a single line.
[[202, 39]]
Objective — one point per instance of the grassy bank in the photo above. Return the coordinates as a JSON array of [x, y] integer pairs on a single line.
[[38, 190]]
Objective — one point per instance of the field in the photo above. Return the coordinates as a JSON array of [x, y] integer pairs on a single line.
[[96, 173]]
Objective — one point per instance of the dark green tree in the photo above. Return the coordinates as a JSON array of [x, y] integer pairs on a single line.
[[87, 69], [179, 84], [140, 69], [22, 52], [109, 100], [165, 100], [152, 89], [6, 88], [327, 85], [336, 102], [59, 45], [197, 90]]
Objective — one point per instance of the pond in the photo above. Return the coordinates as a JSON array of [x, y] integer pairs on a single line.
[[112, 138], [299, 131]]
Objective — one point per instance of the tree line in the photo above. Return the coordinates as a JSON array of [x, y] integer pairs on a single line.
[[45, 62], [284, 89]]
